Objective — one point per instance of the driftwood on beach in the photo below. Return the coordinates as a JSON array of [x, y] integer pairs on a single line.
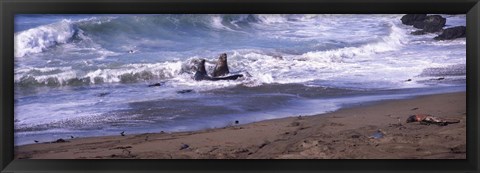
[[430, 119]]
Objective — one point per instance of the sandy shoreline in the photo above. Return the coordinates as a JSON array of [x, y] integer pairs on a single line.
[[343, 134]]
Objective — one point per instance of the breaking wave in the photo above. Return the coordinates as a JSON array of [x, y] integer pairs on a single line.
[[365, 56], [39, 39]]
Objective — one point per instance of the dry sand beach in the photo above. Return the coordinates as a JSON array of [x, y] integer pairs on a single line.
[[344, 134]]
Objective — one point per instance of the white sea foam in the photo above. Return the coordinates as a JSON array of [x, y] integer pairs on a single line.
[[361, 62], [392, 42], [38, 39], [216, 22], [359, 52]]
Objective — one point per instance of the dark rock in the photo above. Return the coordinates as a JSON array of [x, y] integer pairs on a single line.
[[155, 85], [452, 33], [184, 91], [409, 19], [236, 122], [418, 32], [103, 94], [433, 23], [60, 141]]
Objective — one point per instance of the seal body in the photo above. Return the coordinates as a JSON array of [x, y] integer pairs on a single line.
[[201, 73], [221, 68]]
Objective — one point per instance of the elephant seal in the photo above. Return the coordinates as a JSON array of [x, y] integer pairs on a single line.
[[221, 68], [201, 74]]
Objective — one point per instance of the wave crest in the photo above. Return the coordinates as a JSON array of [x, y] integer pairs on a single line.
[[38, 39]]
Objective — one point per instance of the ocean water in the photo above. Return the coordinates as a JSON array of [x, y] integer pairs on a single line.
[[87, 75]]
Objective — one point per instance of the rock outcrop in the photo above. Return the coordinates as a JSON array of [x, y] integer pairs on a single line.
[[433, 23], [452, 33], [410, 19]]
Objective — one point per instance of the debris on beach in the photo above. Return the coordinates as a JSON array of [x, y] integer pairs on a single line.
[[355, 136], [184, 146], [427, 119], [265, 143], [122, 133], [377, 135], [35, 141]]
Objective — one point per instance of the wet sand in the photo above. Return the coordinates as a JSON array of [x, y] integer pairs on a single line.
[[349, 133]]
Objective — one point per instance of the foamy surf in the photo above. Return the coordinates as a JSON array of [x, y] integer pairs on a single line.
[[38, 39], [92, 73]]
